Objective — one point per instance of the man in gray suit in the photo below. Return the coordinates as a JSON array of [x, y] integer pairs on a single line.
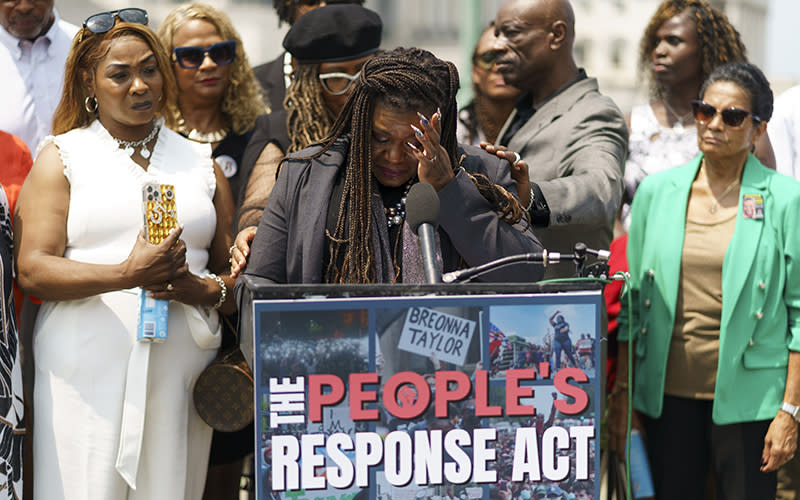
[[573, 139]]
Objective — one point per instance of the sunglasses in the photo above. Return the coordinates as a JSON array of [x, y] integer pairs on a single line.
[[338, 83], [733, 117], [191, 57], [486, 60], [104, 21]]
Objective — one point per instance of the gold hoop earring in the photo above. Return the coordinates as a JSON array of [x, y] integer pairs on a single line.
[[90, 104]]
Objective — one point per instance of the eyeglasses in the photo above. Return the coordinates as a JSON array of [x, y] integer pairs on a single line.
[[338, 83], [733, 117], [486, 60], [191, 57], [104, 21]]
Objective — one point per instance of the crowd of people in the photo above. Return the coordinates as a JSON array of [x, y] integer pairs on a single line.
[[298, 171]]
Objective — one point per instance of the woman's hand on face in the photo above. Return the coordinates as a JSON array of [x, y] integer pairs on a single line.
[[241, 250], [433, 161], [152, 265], [780, 443]]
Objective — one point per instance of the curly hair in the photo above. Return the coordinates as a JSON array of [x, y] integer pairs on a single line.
[[718, 41], [308, 118], [243, 100], [87, 50], [286, 8], [404, 79]]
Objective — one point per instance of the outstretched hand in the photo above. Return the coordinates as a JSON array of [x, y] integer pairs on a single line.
[[519, 170]]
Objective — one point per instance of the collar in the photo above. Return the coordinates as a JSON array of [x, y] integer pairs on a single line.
[[525, 105], [12, 43]]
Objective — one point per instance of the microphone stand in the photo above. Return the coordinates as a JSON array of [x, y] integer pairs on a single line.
[[597, 270]]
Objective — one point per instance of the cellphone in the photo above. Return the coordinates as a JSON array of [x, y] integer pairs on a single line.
[[160, 211], [160, 217]]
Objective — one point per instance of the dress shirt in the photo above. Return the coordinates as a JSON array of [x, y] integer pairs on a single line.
[[784, 132], [33, 77]]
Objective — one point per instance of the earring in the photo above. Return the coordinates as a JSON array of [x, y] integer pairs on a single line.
[[90, 104]]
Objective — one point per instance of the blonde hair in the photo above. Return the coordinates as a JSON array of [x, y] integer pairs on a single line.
[[87, 50], [243, 101]]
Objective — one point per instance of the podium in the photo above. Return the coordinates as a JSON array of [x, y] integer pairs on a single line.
[[405, 392]]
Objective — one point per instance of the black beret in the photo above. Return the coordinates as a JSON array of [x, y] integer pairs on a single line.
[[331, 33]]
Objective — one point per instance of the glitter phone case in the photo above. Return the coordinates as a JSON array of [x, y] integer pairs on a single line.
[[160, 217], [160, 211]]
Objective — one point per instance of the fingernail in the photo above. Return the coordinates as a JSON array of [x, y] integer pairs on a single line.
[[439, 112], [412, 146], [416, 130], [763, 460], [422, 119]]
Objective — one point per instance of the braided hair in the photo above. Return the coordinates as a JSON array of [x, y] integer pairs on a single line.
[[719, 42], [404, 79], [308, 118]]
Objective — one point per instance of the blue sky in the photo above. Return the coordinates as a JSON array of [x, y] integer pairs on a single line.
[[783, 44]]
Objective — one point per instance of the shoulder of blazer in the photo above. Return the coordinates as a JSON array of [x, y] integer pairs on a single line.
[[676, 176]]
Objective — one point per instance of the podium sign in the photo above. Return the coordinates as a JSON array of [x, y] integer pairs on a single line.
[[442, 397]]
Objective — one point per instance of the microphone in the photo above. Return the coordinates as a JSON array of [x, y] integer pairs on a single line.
[[544, 257], [422, 216]]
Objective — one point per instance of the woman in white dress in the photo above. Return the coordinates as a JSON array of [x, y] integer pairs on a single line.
[[114, 417]]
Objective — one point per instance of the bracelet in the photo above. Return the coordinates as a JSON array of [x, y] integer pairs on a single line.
[[530, 203], [223, 290]]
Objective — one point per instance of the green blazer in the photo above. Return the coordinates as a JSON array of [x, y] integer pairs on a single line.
[[760, 291]]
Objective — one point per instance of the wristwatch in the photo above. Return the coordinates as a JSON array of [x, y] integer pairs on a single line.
[[792, 410]]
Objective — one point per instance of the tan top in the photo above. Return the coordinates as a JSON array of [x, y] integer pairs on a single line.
[[694, 347]]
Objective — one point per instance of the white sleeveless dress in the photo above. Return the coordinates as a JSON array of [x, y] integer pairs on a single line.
[[86, 350]]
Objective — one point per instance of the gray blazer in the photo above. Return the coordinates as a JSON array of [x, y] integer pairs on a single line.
[[289, 244], [575, 146]]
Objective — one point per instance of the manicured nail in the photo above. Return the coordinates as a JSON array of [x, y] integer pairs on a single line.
[[438, 112], [422, 119], [417, 131], [412, 146]]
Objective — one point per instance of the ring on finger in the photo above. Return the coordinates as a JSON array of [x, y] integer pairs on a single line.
[[170, 287], [231, 249], [517, 158]]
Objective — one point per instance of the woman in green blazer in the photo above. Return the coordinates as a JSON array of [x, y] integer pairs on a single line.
[[714, 258]]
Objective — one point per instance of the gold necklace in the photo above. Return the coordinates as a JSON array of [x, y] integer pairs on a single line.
[[715, 200], [204, 137]]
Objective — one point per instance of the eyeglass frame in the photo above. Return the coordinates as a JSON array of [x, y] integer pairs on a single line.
[[697, 104], [326, 76], [480, 60], [176, 57], [115, 14]]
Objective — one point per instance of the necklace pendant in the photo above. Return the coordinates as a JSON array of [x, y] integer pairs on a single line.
[[128, 151], [145, 152], [678, 127]]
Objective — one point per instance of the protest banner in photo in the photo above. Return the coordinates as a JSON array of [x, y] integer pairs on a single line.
[[451, 397]]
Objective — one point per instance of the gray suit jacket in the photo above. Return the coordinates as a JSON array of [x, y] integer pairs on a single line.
[[575, 146], [289, 244]]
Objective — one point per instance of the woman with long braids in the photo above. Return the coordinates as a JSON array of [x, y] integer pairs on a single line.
[[336, 214]]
